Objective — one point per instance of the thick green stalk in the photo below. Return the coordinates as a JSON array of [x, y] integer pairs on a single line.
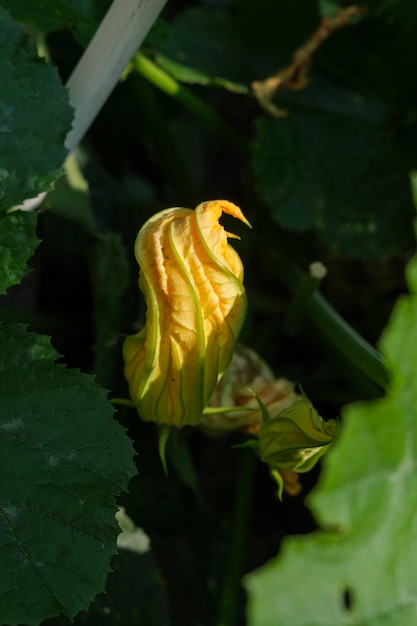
[[336, 330], [352, 345], [229, 605], [303, 296]]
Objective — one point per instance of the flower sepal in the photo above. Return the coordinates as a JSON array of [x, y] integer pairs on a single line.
[[296, 438]]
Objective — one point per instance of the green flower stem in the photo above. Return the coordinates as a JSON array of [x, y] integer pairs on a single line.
[[228, 606], [303, 297], [169, 85], [345, 339], [122, 402], [352, 345], [336, 330]]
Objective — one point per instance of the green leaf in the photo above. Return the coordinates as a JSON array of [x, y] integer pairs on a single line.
[[338, 176], [135, 591], [18, 242], [109, 278], [281, 26], [135, 594], [64, 459], [78, 16], [328, 8], [34, 118], [204, 46], [360, 567]]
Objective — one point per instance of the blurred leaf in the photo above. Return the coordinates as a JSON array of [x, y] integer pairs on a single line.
[[18, 242], [324, 96], [328, 8], [81, 17], [204, 46], [64, 459], [109, 270], [34, 118], [280, 26], [360, 568], [338, 176]]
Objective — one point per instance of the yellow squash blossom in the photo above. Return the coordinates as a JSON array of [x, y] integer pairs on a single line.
[[192, 280]]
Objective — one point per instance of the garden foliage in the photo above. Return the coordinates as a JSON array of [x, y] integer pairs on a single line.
[[321, 167]]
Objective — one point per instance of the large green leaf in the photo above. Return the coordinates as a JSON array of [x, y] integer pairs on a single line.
[[205, 46], [361, 567], [340, 176], [34, 118], [18, 242], [135, 590], [64, 459], [79, 16], [231, 48], [136, 595]]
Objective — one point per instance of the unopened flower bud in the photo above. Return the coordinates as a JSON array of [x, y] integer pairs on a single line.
[[297, 437], [192, 280]]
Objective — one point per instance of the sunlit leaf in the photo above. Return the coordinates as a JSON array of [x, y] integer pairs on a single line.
[[360, 567]]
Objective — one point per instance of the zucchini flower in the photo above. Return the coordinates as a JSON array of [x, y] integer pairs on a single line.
[[192, 280]]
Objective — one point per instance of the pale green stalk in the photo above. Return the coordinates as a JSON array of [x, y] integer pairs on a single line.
[[301, 301], [169, 85]]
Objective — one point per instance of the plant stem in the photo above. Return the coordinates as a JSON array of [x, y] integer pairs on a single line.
[[336, 330], [227, 614], [352, 345], [303, 297], [169, 85]]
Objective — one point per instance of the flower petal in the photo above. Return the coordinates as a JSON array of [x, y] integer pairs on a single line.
[[192, 281]]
